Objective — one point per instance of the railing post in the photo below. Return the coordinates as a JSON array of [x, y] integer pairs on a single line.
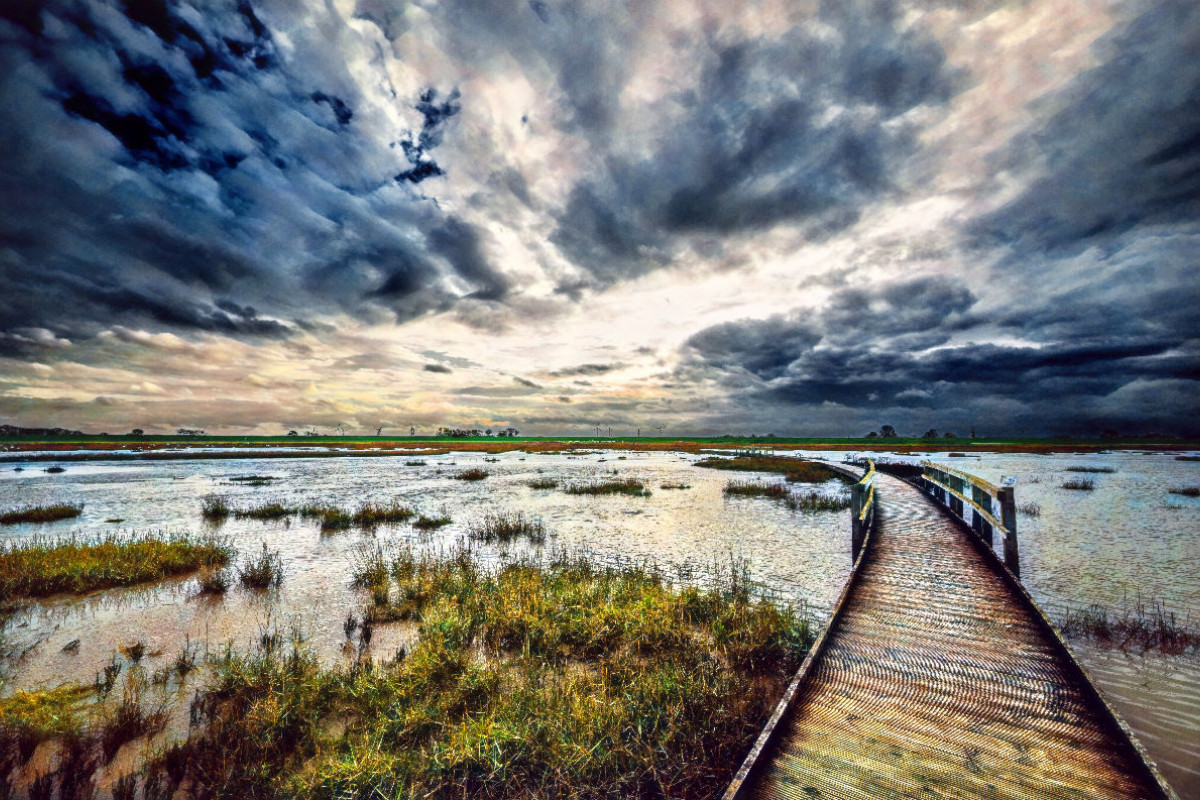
[[857, 496], [1008, 515]]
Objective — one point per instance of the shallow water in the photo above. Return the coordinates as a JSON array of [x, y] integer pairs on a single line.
[[1126, 540], [803, 557]]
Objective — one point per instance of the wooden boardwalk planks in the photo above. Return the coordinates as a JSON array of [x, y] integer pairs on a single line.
[[937, 680]]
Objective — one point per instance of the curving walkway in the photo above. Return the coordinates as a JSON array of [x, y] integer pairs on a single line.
[[937, 681]]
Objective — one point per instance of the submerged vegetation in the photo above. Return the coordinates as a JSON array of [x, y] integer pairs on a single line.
[[1186, 491], [1101, 470], [43, 567], [795, 470], [1030, 509], [52, 513], [630, 486], [507, 526], [1079, 484], [560, 678], [1143, 627]]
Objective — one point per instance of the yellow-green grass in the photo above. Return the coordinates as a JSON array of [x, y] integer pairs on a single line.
[[45, 567], [560, 678], [88, 732], [796, 470], [52, 513]]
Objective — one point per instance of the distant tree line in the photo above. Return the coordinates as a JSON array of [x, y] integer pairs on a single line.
[[888, 432], [464, 433]]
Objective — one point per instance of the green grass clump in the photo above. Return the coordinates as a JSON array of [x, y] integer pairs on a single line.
[[1091, 469], [797, 470], [816, 501], [1079, 484], [472, 474], [214, 508], [557, 678], [675, 486], [630, 486], [507, 526], [775, 491], [263, 572], [264, 512], [425, 523], [40, 568], [41, 514], [1186, 491], [543, 483]]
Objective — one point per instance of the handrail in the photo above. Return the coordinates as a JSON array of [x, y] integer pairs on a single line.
[[975, 501], [862, 509]]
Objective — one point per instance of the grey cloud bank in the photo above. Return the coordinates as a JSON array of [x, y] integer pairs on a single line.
[[473, 180]]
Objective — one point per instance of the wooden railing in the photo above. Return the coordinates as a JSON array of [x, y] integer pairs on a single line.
[[985, 507], [862, 510]]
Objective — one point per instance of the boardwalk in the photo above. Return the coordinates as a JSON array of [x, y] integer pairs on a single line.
[[936, 680]]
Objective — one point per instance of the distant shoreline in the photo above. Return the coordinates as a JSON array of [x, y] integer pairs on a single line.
[[166, 448]]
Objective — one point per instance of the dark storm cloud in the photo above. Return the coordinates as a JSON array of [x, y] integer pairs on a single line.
[[584, 369], [891, 348], [801, 128], [1124, 150], [171, 166], [437, 368]]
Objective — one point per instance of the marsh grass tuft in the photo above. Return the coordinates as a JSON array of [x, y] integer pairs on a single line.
[[542, 483], [1030, 509], [507, 526], [45, 567], [262, 572], [1080, 484], [796, 470], [816, 501], [214, 508], [52, 513], [628, 486], [472, 474], [1143, 627], [1085, 468], [1186, 491], [542, 678], [675, 486], [425, 523], [775, 491]]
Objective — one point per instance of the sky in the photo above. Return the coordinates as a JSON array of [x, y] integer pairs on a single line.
[[678, 217]]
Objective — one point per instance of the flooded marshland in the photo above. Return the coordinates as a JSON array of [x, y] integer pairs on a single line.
[[1126, 540]]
